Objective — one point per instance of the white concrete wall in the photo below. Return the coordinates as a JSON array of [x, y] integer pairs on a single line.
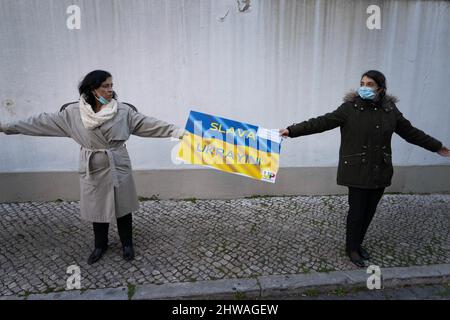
[[281, 62]]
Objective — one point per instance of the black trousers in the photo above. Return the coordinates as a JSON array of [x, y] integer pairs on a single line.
[[362, 206], [124, 226]]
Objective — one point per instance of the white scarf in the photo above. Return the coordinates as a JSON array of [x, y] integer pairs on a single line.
[[92, 120]]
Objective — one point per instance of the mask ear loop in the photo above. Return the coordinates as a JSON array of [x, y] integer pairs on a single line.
[[96, 95], [97, 98]]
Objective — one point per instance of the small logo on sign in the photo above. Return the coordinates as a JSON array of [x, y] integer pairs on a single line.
[[268, 176]]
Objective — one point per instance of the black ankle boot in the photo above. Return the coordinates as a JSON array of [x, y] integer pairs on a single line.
[[96, 255], [363, 253], [356, 259], [128, 252]]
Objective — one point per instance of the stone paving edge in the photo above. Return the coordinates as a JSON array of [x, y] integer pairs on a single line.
[[262, 287]]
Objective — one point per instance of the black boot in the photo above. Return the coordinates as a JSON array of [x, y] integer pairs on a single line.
[[124, 225], [101, 241], [356, 259], [128, 252], [363, 253], [96, 255]]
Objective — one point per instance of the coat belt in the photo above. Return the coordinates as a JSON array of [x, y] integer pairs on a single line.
[[112, 165]]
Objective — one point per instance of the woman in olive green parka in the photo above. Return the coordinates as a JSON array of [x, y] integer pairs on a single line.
[[367, 120]]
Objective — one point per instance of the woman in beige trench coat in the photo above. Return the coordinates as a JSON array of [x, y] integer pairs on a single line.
[[100, 125]]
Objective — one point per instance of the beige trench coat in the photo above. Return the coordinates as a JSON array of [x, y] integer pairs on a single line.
[[107, 189]]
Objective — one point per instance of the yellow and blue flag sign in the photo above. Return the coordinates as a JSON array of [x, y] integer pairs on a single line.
[[231, 146]]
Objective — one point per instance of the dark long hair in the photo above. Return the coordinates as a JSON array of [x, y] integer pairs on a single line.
[[92, 81], [380, 80]]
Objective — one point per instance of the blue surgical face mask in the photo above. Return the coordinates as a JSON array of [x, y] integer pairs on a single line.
[[101, 99], [366, 93]]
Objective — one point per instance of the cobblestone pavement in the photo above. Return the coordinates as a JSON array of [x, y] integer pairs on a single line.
[[193, 240]]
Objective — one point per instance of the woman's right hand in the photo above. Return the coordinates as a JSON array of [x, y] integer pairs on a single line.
[[284, 133], [444, 151]]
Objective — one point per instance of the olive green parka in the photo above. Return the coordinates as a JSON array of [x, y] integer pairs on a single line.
[[365, 155]]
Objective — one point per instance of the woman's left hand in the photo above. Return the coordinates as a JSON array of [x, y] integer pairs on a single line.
[[185, 134], [284, 132], [444, 152]]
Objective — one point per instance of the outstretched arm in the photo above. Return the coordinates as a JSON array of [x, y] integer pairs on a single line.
[[415, 136], [323, 123], [144, 126], [44, 124]]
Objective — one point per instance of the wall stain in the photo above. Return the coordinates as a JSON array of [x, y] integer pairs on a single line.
[[8, 105], [244, 5]]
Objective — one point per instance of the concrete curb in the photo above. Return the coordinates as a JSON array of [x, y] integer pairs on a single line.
[[263, 287]]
